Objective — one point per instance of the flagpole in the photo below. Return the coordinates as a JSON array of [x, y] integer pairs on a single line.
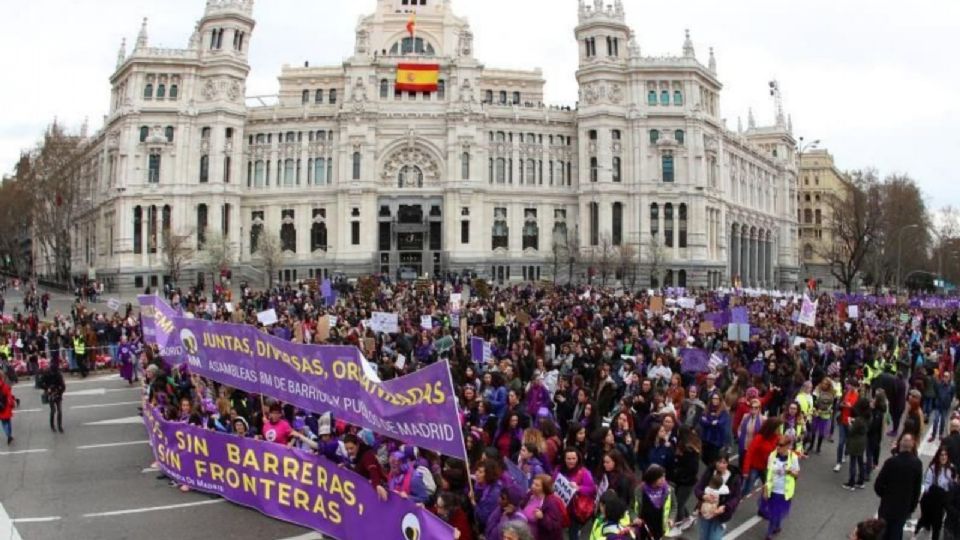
[[463, 442]]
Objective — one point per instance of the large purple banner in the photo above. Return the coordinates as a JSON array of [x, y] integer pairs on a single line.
[[286, 484], [418, 409]]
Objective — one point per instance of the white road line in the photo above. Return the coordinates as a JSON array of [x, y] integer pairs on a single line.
[[16, 452], [149, 470], [46, 519], [744, 527], [152, 509], [104, 405], [19, 411], [111, 445], [117, 421], [100, 391], [7, 528], [308, 536]]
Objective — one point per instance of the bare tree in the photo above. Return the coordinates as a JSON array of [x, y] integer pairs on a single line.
[[15, 203], [217, 253], [572, 250], [657, 256], [557, 250], [627, 264], [604, 257], [855, 220], [271, 254], [177, 252]]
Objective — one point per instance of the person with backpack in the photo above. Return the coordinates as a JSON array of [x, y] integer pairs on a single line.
[[7, 403], [545, 512]]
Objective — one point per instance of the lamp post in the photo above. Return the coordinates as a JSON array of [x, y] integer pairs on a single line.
[[900, 251], [801, 148]]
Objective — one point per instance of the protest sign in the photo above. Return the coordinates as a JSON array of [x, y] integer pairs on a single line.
[[706, 327], [401, 362], [384, 322], [323, 328], [480, 350], [694, 360], [268, 317], [656, 304], [853, 311], [113, 304], [443, 344], [700, 308], [426, 322], [808, 312], [565, 489], [285, 484], [419, 408], [687, 303]]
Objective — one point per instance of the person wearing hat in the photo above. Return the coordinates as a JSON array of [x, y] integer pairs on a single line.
[[508, 510]]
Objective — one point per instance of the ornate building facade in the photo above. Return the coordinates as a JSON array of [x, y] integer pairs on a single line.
[[353, 176], [822, 185]]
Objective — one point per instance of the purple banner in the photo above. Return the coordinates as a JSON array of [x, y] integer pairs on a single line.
[[740, 315], [476, 349], [419, 409], [695, 360], [286, 484]]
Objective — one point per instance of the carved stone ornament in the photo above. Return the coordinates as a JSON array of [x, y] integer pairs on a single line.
[[363, 40], [418, 167], [234, 91], [209, 90]]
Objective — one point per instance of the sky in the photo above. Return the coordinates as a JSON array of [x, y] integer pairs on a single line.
[[871, 79]]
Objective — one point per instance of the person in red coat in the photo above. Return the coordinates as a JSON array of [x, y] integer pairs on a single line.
[[762, 445], [543, 509], [363, 460], [449, 510], [7, 403]]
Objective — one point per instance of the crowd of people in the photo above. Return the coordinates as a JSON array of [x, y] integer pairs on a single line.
[[589, 388]]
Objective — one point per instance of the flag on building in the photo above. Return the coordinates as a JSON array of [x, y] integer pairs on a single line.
[[417, 77], [412, 24]]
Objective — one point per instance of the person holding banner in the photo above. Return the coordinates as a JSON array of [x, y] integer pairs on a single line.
[[579, 490], [363, 460]]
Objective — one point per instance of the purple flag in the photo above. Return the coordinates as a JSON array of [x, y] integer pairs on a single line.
[[286, 484], [479, 350], [329, 295], [695, 360], [418, 409], [739, 315]]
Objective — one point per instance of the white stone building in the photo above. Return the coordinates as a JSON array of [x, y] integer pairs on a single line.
[[480, 175]]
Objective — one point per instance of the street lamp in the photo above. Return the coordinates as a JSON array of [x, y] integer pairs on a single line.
[[900, 251]]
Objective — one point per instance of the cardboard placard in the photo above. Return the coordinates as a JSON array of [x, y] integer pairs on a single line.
[[706, 327], [323, 328], [656, 304], [268, 317], [369, 346]]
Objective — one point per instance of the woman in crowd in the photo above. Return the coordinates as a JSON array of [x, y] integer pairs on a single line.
[[654, 507], [543, 509], [715, 428], [783, 469], [938, 481], [712, 528], [616, 475], [857, 443], [54, 386], [754, 465], [486, 489], [581, 505], [686, 467]]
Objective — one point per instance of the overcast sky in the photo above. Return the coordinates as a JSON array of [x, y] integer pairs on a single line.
[[875, 80]]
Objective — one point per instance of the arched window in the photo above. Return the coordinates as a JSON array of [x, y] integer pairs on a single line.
[[652, 97], [678, 136], [356, 165], [668, 225], [531, 235], [148, 91], [617, 225], [665, 97], [384, 88], [682, 278], [333, 96], [677, 97], [654, 136], [174, 91], [144, 133], [441, 89], [204, 169], [516, 98], [410, 176], [256, 229], [682, 216], [168, 133], [616, 169], [654, 219], [305, 97], [808, 216], [593, 169], [465, 166], [668, 278], [318, 97], [161, 91], [288, 232]]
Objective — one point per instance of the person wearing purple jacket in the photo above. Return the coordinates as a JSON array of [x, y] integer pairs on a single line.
[[543, 510], [127, 357]]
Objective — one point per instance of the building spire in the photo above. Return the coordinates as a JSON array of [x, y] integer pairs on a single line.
[[688, 45], [739, 124], [142, 36], [751, 123], [712, 66], [122, 53]]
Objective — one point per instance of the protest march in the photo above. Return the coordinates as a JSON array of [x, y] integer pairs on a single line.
[[450, 408]]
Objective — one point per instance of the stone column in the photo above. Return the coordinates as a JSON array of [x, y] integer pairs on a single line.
[[744, 256], [734, 252], [754, 261]]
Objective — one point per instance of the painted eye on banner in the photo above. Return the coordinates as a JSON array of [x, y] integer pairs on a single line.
[[411, 527]]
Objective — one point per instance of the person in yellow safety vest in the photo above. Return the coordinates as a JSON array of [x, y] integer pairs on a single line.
[[783, 468], [612, 518], [794, 426], [870, 372], [80, 352], [4, 350], [653, 504], [804, 400]]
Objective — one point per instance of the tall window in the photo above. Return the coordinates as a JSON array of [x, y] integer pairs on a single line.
[[503, 97], [668, 225], [682, 216], [441, 90], [168, 133], [594, 224], [501, 171], [174, 91], [617, 225], [677, 97], [204, 169], [615, 134], [165, 219], [355, 233], [288, 231], [616, 169], [465, 165], [654, 136], [516, 98], [384, 88], [144, 133], [138, 230], [808, 216], [226, 170], [201, 225], [305, 97], [319, 171], [500, 239], [594, 173], [531, 171], [819, 217], [333, 96], [667, 162], [318, 232], [531, 232], [665, 97], [356, 165], [652, 97], [256, 229], [225, 220], [258, 174], [488, 96], [318, 96], [288, 172], [654, 218], [678, 135], [153, 169], [465, 232], [148, 91], [161, 91]]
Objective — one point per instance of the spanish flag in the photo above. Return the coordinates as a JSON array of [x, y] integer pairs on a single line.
[[417, 77]]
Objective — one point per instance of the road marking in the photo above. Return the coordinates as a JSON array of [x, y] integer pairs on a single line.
[[7, 528], [105, 405], [149, 470], [111, 445], [151, 509], [46, 519], [19, 411], [99, 391], [744, 527], [308, 536], [117, 421], [15, 452]]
